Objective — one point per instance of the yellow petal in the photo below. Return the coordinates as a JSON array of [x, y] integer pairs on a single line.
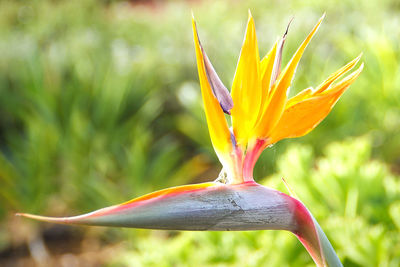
[[334, 76], [266, 66], [300, 118], [277, 100], [217, 125], [246, 88]]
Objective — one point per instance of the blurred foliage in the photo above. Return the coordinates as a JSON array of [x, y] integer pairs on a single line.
[[100, 102]]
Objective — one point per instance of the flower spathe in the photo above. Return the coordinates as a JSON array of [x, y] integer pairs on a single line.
[[261, 113]]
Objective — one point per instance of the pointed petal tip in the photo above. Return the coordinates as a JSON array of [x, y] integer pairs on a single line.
[[287, 27], [353, 76], [194, 26], [276, 70], [316, 27], [358, 71], [249, 13], [357, 59], [250, 19], [26, 215], [320, 21], [42, 218]]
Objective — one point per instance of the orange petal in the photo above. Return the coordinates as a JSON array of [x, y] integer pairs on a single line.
[[345, 82], [302, 117], [306, 93], [217, 125], [334, 76], [246, 88], [278, 97]]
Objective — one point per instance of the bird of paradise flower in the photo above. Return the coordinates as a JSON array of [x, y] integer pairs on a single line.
[[261, 115]]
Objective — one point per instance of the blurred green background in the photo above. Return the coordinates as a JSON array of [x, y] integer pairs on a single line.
[[100, 103]]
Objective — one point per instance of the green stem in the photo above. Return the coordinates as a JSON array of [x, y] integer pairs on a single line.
[[331, 258]]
